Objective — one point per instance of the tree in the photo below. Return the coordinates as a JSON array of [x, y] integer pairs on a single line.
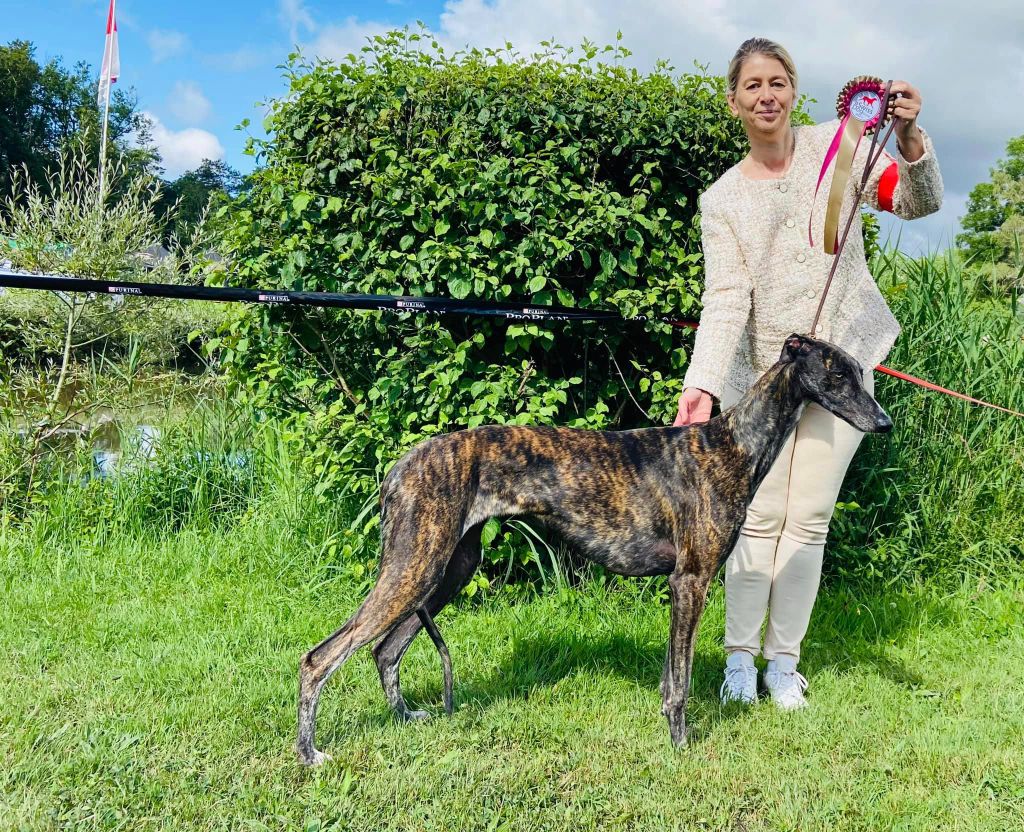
[[20, 139], [211, 184], [993, 235], [45, 110]]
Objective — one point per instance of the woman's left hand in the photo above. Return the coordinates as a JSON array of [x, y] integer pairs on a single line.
[[906, 107]]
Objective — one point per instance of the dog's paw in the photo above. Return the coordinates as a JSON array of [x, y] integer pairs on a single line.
[[679, 734], [680, 743], [317, 758]]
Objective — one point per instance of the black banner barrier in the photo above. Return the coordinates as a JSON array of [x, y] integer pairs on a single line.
[[508, 310], [380, 303]]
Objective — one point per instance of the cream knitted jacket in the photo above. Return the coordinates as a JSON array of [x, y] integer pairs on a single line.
[[763, 280]]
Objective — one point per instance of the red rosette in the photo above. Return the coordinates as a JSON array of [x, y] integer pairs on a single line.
[[862, 99]]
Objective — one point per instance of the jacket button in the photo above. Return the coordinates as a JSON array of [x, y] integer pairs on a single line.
[[790, 223], [818, 328], [783, 187], [801, 257], [811, 293]]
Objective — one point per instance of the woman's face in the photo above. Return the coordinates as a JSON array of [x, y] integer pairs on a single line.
[[764, 97]]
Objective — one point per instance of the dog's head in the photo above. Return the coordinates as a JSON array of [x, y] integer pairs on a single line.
[[834, 379]]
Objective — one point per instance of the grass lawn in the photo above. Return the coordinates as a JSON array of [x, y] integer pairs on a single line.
[[153, 686]]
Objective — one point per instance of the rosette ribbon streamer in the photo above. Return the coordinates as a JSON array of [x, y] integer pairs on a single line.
[[861, 109], [872, 159]]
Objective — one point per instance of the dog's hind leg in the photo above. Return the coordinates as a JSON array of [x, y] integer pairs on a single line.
[[395, 596], [446, 659], [388, 652]]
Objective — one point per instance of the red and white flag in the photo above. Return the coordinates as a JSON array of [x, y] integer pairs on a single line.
[[111, 58]]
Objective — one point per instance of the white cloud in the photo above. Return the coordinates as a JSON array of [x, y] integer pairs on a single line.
[[965, 89], [183, 150], [526, 24], [188, 103], [165, 43], [296, 17], [335, 41]]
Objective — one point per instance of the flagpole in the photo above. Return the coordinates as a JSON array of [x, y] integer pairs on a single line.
[[108, 50]]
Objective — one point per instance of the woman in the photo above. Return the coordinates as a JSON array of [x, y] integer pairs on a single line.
[[763, 280]]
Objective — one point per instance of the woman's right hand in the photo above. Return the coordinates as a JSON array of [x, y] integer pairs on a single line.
[[694, 407]]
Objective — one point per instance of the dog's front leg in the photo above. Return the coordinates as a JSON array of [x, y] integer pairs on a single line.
[[688, 595]]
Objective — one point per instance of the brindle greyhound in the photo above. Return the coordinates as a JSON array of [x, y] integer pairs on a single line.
[[655, 501]]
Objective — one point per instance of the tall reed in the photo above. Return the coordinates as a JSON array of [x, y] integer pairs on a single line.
[[943, 492]]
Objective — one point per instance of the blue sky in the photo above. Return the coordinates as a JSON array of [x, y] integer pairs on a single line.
[[196, 66], [199, 68]]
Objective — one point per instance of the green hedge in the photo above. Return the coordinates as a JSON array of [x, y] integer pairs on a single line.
[[564, 177]]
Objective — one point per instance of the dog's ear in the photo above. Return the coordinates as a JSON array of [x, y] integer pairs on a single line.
[[794, 347]]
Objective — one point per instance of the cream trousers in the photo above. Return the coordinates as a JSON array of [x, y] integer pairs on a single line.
[[775, 566]]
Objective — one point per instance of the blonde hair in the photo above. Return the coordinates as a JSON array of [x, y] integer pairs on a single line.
[[760, 46]]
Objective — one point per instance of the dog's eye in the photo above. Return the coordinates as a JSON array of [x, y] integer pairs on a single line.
[[838, 375]]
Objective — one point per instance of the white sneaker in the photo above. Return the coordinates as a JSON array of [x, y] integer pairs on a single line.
[[740, 683], [785, 685]]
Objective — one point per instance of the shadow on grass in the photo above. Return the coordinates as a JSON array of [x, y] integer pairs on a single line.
[[849, 633]]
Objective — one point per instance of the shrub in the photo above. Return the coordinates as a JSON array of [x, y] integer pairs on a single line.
[[61, 226], [562, 177]]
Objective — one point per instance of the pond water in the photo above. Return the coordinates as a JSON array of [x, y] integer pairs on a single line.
[[106, 456], [116, 447]]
